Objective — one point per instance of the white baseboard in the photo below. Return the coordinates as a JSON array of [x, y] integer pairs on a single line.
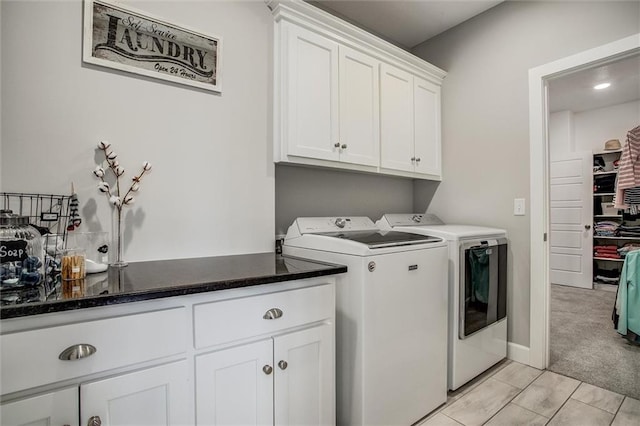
[[518, 353]]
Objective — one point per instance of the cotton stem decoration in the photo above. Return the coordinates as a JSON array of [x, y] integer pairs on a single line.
[[115, 193]]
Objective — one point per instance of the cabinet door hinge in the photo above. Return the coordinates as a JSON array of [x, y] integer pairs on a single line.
[[544, 237]]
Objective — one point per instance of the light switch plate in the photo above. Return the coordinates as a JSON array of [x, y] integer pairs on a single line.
[[518, 207]]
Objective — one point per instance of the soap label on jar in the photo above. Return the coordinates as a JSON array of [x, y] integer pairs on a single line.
[[13, 251]]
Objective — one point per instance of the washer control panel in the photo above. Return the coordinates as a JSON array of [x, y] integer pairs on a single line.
[[412, 219]]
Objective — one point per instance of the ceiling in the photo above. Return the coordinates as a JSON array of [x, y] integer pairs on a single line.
[[574, 92], [406, 23]]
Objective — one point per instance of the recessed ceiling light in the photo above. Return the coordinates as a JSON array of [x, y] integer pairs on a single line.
[[601, 86]]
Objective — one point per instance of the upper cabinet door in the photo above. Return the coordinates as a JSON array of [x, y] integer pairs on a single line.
[[396, 119], [359, 108], [427, 127], [312, 107]]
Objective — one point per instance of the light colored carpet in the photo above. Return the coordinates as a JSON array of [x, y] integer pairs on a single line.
[[584, 345]]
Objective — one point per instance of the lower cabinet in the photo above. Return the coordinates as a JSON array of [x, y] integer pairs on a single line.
[[154, 396], [284, 380], [55, 408], [256, 356]]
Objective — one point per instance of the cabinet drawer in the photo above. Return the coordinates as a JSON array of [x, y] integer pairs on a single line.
[[30, 358], [237, 319]]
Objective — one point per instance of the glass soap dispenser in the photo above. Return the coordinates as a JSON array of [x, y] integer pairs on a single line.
[[21, 257]]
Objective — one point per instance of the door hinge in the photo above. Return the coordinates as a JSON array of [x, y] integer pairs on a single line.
[[544, 237]]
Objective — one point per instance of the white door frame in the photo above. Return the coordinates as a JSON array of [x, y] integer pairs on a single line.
[[539, 181]]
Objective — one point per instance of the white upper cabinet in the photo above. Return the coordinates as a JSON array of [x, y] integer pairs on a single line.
[[344, 98], [359, 108], [332, 95], [397, 119], [312, 100], [410, 123], [426, 119]]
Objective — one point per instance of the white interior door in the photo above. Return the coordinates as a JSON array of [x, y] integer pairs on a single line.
[[571, 202]]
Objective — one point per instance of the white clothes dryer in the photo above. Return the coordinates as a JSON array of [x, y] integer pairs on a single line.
[[391, 317], [477, 337]]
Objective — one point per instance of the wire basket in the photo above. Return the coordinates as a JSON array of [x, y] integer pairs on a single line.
[[50, 214]]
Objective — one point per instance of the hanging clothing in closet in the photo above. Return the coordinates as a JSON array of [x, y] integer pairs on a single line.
[[629, 172], [626, 314]]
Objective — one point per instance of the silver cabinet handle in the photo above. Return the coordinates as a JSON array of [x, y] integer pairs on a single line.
[[418, 160], [79, 351], [344, 146], [337, 144], [267, 369], [283, 364], [587, 227], [94, 421], [413, 159], [273, 313]]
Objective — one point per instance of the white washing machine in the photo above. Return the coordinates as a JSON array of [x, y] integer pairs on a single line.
[[477, 291], [391, 317]]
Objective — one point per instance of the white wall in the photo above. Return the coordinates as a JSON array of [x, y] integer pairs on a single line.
[[561, 140], [485, 114], [589, 130], [594, 127], [211, 191]]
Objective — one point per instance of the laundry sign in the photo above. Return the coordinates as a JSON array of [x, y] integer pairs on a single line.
[[133, 41]]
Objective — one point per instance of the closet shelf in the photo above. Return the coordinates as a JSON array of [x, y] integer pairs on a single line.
[[613, 151], [603, 193], [607, 215], [613, 172], [608, 259]]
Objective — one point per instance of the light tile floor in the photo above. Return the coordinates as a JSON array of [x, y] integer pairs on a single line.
[[512, 394]]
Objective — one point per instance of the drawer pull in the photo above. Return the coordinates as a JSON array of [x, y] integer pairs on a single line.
[[79, 351], [273, 313], [283, 364], [267, 369], [94, 421]]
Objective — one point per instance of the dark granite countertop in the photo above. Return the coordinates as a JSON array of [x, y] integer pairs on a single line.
[[165, 278]]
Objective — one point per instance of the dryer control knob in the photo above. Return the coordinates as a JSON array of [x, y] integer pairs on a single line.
[[340, 222]]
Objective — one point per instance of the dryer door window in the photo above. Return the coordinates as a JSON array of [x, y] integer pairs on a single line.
[[483, 285]]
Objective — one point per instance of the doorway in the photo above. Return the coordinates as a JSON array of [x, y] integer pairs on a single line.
[[586, 130], [539, 78]]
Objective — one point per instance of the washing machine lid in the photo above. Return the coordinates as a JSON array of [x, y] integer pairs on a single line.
[[462, 232], [430, 224], [354, 235], [380, 239]]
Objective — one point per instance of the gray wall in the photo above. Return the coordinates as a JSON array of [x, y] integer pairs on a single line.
[[302, 191], [486, 112]]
